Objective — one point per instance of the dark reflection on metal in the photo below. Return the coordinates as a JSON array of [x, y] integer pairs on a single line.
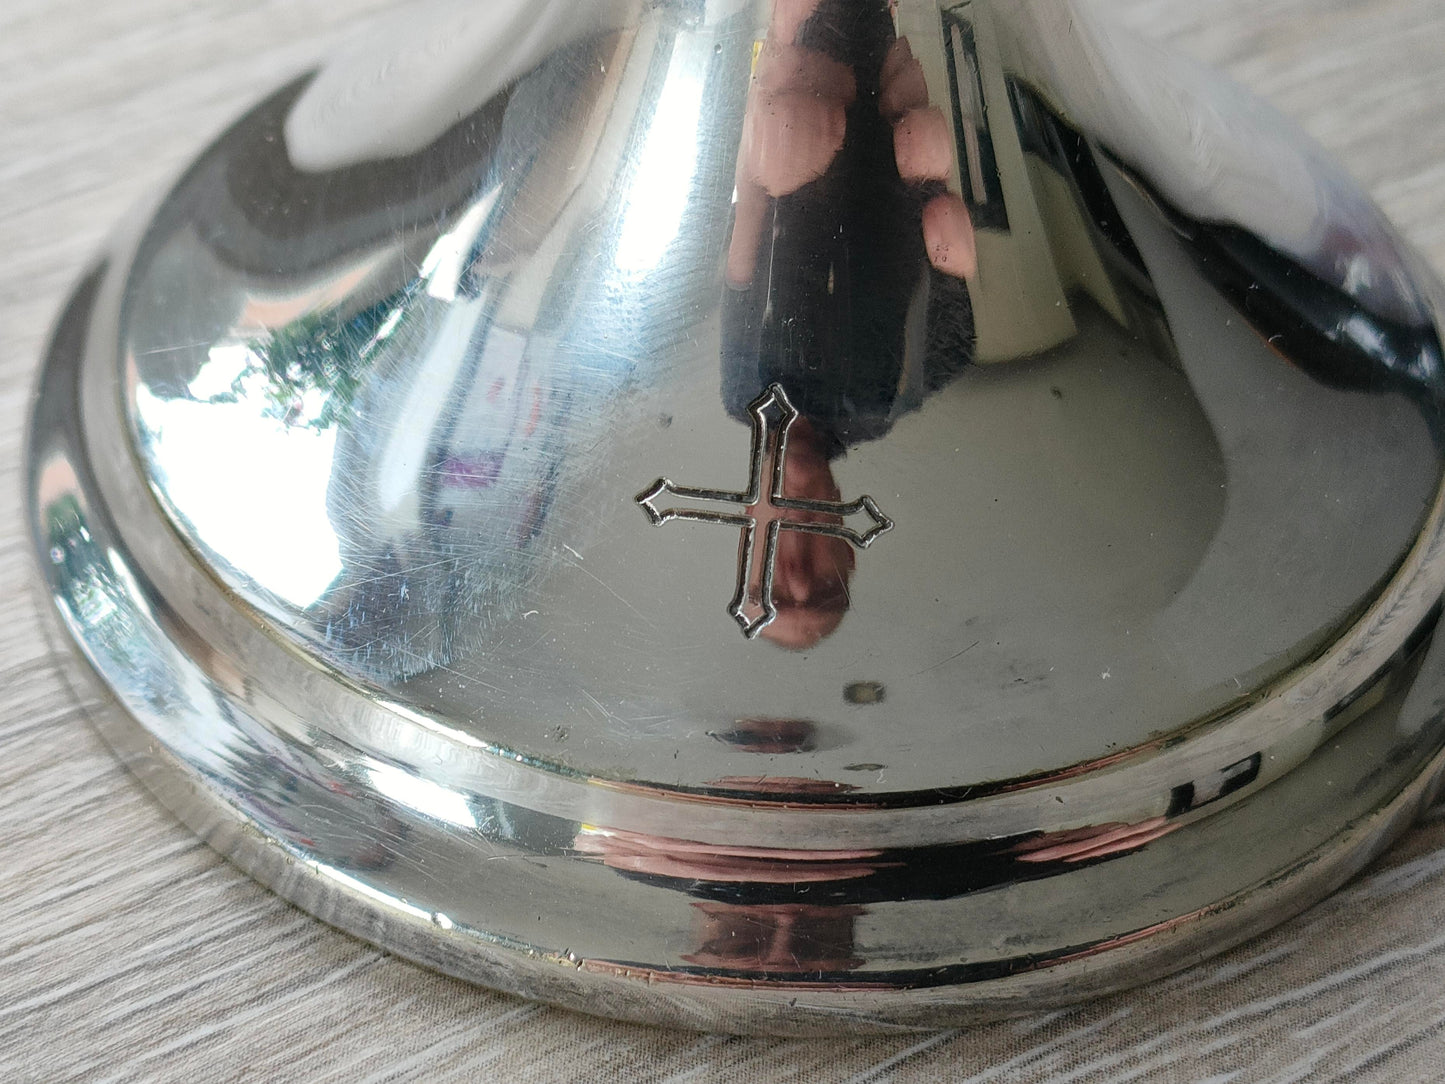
[[1318, 326], [834, 298], [841, 192], [771, 737], [748, 877]]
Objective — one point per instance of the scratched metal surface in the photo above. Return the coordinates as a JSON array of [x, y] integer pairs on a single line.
[[130, 951]]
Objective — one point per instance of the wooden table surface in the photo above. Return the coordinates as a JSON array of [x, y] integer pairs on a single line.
[[129, 951]]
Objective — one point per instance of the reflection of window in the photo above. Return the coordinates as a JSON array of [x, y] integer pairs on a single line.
[[982, 190]]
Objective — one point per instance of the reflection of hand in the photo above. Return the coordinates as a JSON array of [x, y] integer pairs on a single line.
[[796, 117], [795, 127]]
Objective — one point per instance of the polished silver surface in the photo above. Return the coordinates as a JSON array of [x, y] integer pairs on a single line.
[[1060, 431], [754, 604]]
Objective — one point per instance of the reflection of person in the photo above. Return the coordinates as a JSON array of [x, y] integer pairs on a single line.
[[846, 269], [848, 257], [783, 938]]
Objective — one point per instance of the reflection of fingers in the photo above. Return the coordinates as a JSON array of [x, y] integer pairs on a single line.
[[906, 89], [791, 139], [899, 54], [922, 145], [948, 236], [789, 68], [788, 17], [748, 218]]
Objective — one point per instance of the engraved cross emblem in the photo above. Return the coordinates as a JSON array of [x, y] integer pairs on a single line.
[[772, 417]]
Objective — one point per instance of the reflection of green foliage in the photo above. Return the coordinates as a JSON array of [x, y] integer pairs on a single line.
[[86, 585], [105, 615], [71, 546], [324, 352], [63, 518]]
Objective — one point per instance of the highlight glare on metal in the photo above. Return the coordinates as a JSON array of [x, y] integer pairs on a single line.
[[1133, 400]]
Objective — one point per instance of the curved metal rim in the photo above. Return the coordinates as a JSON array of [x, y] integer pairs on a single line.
[[669, 998]]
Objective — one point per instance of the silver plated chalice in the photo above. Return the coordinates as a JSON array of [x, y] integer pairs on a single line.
[[773, 515]]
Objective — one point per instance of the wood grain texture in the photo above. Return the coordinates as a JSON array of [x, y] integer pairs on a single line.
[[128, 951]]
